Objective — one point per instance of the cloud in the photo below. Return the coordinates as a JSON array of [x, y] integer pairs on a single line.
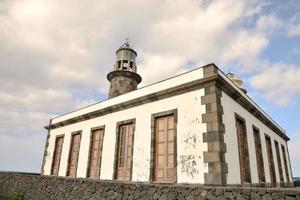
[[278, 82], [294, 30], [245, 48], [267, 24]]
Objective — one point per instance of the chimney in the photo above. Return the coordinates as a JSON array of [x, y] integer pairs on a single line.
[[237, 81]]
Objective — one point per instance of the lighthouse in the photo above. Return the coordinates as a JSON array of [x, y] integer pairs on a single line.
[[124, 77]]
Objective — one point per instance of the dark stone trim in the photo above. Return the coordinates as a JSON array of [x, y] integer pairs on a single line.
[[237, 116], [177, 90], [46, 149], [153, 116], [69, 154], [129, 121], [90, 149], [214, 135], [210, 70], [128, 74], [58, 136]]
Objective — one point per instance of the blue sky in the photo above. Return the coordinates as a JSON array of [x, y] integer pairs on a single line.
[[54, 58]]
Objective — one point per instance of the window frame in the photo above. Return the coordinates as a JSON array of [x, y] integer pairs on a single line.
[[257, 131], [238, 117], [69, 154], [118, 125], [278, 158], [90, 149], [173, 112], [54, 151], [268, 138]]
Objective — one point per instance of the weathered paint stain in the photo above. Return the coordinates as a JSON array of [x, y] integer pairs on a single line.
[[188, 165], [190, 139]]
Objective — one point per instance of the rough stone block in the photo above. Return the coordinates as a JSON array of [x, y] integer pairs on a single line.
[[210, 98], [290, 198], [215, 126], [212, 89], [218, 167], [210, 70], [52, 188], [212, 157], [213, 136], [214, 179], [216, 146], [267, 197], [212, 117], [277, 195]]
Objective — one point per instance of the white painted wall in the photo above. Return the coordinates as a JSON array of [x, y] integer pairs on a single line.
[[231, 107], [190, 168]]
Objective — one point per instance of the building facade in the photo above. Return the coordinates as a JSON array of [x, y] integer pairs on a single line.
[[199, 127]]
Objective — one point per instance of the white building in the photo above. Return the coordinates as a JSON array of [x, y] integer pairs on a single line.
[[199, 127]]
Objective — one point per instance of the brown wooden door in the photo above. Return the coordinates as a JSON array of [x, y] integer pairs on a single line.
[[285, 164], [57, 155], [95, 154], [259, 156], [125, 151], [279, 161], [243, 151], [270, 160], [164, 167], [73, 156]]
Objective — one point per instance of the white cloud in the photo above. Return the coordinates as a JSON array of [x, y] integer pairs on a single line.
[[294, 30], [269, 24], [245, 48], [279, 83]]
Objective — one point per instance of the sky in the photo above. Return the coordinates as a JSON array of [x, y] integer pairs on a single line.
[[55, 54]]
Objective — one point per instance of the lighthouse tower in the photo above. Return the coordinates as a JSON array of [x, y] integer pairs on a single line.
[[124, 77]]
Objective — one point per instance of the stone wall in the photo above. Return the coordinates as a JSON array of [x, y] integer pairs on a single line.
[[49, 187], [122, 82]]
